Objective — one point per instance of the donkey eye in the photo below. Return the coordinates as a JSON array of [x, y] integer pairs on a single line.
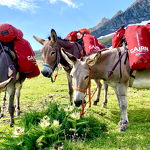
[[86, 77], [52, 53]]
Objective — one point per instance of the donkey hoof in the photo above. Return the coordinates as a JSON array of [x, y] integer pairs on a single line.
[[11, 126], [104, 105], [18, 113], [2, 115], [123, 128], [95, 103], [123, 125]]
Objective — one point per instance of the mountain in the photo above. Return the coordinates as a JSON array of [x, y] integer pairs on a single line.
[[100, 24], [136, 13]]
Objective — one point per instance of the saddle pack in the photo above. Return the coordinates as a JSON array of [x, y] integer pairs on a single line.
[[138, 47], [24, 52], [138, 42], [88, 42], [117, 38]]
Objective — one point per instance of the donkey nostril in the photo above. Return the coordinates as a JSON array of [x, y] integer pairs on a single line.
[[46, 73]]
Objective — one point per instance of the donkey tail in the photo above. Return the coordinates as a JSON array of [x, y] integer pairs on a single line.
[[5, 83]]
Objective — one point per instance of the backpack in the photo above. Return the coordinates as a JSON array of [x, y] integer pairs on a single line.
[[117, 38], [9, 33], [138, 47], [25, 55], [25, 58], [72, 36], [90, 44]]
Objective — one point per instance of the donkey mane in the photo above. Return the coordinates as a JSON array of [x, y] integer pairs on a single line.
[[58, 38]]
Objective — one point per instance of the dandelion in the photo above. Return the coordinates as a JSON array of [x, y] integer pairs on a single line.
[[44, 124], [18, 131]]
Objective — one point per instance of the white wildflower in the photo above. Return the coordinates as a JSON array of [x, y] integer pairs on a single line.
[[46, 118], [18, 131], [44, 124], [69, 108], [55, 125], [75, 116]]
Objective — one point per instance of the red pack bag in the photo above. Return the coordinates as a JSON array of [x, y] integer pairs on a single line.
[[72, 36], [148, 30], [9, 32], [25, 57], [116, 40], [35, 71], [138, 47], [84, 29], [90, 44], [101, 46]]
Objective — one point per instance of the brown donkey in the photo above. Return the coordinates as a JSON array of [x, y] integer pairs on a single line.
[[52, 57]]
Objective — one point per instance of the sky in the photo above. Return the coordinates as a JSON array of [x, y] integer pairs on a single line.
[[38, 17]]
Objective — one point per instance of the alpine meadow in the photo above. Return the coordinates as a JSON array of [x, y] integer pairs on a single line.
[[48, 121]]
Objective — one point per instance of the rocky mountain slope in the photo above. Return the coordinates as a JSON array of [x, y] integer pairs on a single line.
[[139, 11]]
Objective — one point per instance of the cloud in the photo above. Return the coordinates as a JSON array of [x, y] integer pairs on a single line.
[[69, 2], [22, 5]]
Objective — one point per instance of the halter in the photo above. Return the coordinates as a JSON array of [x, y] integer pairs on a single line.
[[83, 90], [88, 88], [55, 64]]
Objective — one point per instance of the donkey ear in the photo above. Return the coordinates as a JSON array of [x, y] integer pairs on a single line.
[[71, 59], [53, 36], [92, 59], [39, 40]]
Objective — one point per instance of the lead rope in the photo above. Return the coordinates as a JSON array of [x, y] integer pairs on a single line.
[[89, 87]]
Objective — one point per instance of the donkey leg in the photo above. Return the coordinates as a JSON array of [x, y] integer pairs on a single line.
[[105, 85], [121, 91], [2, 109], [17, 100], [99, 86], [11, 108], [70, 89]]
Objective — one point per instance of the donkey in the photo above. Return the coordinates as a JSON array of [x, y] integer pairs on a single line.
[[104, 67], [52, 56], [11, 80]]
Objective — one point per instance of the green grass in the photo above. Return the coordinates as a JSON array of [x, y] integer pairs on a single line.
[[40, 89], [107, 41]]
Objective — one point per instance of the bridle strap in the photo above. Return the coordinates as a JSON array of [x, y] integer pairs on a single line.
[[89, 84], [81, 90]]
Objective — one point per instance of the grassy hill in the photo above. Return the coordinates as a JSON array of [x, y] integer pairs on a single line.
[[107, 42], [38, 55]]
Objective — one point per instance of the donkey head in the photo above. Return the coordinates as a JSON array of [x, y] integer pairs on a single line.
[[80, 73], [50, 54]]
